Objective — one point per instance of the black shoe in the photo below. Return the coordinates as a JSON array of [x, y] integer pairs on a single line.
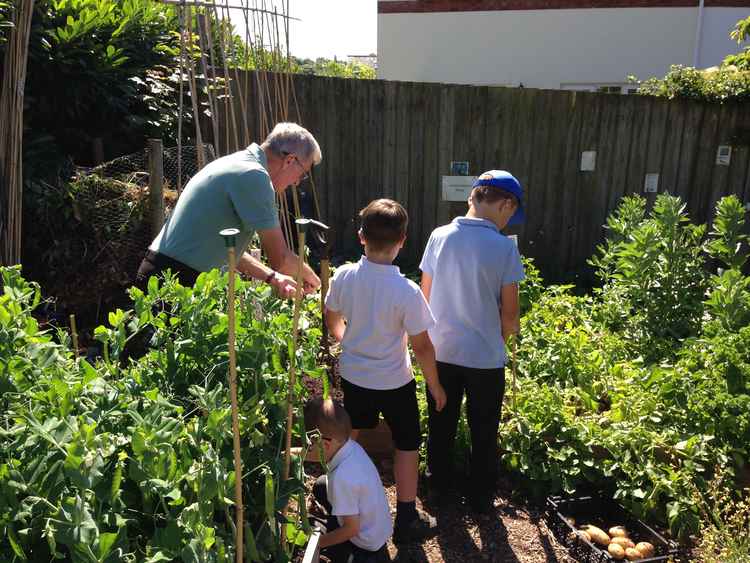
[[418, 529]]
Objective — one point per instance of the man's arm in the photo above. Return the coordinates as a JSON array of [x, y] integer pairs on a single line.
[[425, 354], [349, 528], [284, 260], [335, 323], [426, 285], [509, 310]]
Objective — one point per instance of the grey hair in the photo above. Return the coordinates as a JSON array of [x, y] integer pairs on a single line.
[[290, 138]]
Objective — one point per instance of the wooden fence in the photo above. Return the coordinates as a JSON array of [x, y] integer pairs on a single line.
[[396, 139]]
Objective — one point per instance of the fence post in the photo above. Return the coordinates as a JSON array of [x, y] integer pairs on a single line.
[[155, 184]]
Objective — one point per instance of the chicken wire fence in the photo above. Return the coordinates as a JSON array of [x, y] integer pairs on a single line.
[[112, 199]]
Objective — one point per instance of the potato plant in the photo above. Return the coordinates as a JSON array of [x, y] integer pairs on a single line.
[[642, 389], [130, 459]]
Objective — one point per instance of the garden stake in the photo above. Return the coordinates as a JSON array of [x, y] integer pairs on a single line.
[[302, 225], [74, 334], [322, 233], [513, 371], [229, 240]]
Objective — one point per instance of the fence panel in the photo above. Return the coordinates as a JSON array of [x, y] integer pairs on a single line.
[[397, 139]]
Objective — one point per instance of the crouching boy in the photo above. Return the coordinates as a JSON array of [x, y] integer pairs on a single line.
[[358, 519]]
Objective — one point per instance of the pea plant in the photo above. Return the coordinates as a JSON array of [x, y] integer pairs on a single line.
[[130, 459]]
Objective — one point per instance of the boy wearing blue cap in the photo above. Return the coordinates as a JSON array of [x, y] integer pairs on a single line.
[[470, 276]]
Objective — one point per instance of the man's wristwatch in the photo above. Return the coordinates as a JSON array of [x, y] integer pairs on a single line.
[[270, 277]]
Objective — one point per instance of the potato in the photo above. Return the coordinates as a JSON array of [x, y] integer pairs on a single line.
[[624, 542], [645, 549], [578, 536], [618, 532], [598, 535], [616, 551], [633, 554]]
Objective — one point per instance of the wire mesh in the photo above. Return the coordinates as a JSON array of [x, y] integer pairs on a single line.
[[112, 199]]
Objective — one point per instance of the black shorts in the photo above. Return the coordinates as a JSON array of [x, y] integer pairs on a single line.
[[398, 406]]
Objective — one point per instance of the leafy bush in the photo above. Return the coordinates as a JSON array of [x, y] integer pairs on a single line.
[[654, 275], [729, 82], [643, 388], [128, 460], [103, 53]]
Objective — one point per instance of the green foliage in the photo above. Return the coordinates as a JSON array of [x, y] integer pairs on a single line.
[[740, 34], [132, 460], [728, 239], [643, 388], [717, 85], [334, 68], [6, 21], [729, 82], [653, 271], [97, 68], [532, 286]]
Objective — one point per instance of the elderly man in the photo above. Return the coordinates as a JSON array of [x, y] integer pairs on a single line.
[[238, 191]]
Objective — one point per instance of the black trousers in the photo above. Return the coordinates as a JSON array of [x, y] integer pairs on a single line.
[[484, 389], [155, 263], [345, 552]]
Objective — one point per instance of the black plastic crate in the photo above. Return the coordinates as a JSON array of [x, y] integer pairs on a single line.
[[603, 513]]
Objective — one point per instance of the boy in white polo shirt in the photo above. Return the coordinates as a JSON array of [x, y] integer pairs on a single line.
[[470, 276], [381, 309], [359, 521]]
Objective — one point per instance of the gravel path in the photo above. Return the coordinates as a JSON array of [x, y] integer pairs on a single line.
[[514, 532]]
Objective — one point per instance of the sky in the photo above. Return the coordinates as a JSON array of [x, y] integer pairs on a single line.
[[328, 28]]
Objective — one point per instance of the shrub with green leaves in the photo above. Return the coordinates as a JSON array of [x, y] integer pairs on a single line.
[[642, 389], [126, 460], [654, 275]]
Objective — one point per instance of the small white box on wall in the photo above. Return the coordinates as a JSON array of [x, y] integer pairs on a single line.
[[651, 183], [724, 155], [457, 188], [588, 161]]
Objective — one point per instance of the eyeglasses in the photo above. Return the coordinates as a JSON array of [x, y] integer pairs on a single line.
[[305, 173]]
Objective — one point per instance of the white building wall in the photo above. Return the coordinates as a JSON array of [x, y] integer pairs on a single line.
[[549, 48]]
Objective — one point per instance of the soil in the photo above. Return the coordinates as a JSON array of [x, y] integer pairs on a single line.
[[514, 531]]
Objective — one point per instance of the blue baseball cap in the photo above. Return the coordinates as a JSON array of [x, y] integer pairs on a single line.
[[504, 181]]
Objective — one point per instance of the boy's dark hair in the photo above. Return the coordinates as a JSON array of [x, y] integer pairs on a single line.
[[330, 418], [384, 223], [491, 194]]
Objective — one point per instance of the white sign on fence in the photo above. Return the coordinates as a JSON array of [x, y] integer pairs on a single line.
[[457, 188], [724, 155], [651, 184], [588, 161]]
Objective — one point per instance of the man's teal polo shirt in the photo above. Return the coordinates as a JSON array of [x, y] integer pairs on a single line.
[[232, 191]]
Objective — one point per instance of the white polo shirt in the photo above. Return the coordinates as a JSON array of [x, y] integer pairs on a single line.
[[354, 488], [381, 308], [469, 261]]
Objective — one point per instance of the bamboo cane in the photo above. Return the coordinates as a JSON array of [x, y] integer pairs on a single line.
[[194, 92], [230, 241], [301, 231], [513, 371], [74, 335]]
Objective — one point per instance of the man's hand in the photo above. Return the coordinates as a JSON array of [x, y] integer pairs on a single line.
[[311, 282], [284, 286], [438, 393]]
